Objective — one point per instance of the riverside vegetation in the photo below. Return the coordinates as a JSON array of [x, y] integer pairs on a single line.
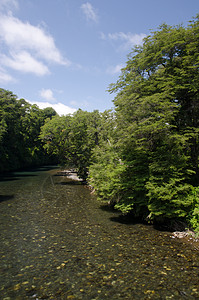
[[142, 156]]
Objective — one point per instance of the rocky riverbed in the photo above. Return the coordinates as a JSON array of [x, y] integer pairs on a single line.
[[58, 242]]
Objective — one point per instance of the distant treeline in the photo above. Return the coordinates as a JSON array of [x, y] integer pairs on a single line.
[[142, 157], [20, 124]]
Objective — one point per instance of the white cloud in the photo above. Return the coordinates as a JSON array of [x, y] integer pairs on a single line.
[[89, 12], [47, 94], [24, 62], [8, 5], [5, 77], [114, 69], [127, 40], [29, 47], [131, 38], [20, 36], [60, 108]]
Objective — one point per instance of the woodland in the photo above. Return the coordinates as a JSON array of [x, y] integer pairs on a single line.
[[141, 156]]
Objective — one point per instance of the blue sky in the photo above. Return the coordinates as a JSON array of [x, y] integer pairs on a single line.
[[65, 53]]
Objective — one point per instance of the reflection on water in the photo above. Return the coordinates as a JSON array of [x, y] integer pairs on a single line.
[[57, 242]]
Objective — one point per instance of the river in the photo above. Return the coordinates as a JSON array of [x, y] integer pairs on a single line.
[[58, 242]]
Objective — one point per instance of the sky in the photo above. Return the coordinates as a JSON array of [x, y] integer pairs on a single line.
[[66, 53]]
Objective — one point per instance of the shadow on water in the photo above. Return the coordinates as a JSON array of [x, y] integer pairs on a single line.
[[108, 208], [70, 182], [36, 169], [14, 176], [166, 225], [8, 178], [5, 197], [128, 219], [117, 217], [17, 175]]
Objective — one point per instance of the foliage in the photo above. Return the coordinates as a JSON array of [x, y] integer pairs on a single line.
[[20, 125], [72, 138], [49, 112], [157, 124], [193, 216], [105, 172]]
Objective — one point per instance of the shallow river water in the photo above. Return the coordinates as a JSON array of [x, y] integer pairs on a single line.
[[58, 242]]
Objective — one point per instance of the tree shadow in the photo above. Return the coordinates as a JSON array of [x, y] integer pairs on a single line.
[[164, 226], [70, 182], [5, 197], [109, 208], [36, 169], [24, 172], [171, 225], [13, 177], [128, 220], [16, 176], [117, 217], [8, 178]]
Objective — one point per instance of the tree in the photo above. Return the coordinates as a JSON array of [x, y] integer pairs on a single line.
[[157, 123], [20, 124], [49, 112], [106, 165], [72, 139]]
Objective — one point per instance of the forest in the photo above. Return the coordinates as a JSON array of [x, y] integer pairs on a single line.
[[20, 125], [142, 156]]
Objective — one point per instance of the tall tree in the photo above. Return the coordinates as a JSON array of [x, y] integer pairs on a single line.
[[157, 124], [72, 138], [20, 124]]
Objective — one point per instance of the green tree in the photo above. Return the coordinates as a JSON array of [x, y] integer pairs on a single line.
[[106, 166], [54, 134], [157, 125], [49, 112], [20, 124], [72, 139]]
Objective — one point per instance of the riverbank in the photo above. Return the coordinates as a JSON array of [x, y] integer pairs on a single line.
[[70, 174], [187, 236]]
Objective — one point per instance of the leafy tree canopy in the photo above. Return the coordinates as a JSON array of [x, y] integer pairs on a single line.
[[20, 124], [157, 128]]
